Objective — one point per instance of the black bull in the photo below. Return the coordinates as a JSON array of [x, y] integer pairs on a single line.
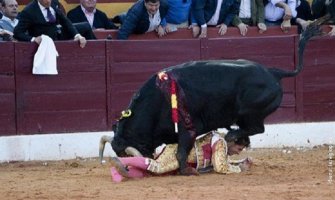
[[212, 94]]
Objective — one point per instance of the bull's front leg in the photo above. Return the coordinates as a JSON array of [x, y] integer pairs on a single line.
[[185, 144]]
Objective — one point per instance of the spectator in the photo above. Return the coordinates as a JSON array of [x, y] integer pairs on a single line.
[[251, 14], [87, 12], [178, 15], [219, 13], [304, 14], [278, 12], [319, 9], [42, 17], [8, 20], [145, 16]]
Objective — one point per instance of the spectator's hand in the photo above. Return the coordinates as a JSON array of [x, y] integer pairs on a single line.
[[7, 35], [288, 13], [332, 32], [5, 32], [243, 29], [160, 30], [203, 33], [285, 25], [303, 23], [81, 39], [223, 29], [38, 40], [262, 27], [195, 30], [246, 164], [168, 29]]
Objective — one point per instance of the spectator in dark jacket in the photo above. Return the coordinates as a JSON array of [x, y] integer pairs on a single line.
[[219, 13], [87, 12], [144, 16], [42, 17]]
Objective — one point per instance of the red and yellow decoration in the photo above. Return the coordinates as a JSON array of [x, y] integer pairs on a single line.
[[163, 76], [174, 105]]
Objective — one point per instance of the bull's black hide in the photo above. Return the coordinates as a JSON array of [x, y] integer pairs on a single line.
[[215, 94]]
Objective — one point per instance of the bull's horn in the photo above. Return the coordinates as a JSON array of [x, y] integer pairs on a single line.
[[102, 143], [131, 151]]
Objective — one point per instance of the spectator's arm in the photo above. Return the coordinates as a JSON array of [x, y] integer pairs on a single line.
[[292, 4], [236, 21], [233, 11], [198, 13], [260, 18], [163, 22], [128, 26], [66, 23], [108, 23], [21, 29], [287, 10]]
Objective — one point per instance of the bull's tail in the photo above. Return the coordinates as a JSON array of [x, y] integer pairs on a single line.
[[314, 29], [102, 144]]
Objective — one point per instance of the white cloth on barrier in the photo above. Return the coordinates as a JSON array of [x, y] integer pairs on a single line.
[[45, 59]]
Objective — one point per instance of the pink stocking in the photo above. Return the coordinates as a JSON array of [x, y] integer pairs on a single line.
[[138, 162], [136, 172], [116, 176]]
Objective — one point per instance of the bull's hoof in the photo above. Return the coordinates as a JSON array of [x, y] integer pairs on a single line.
[[189, 171], [115, 162]]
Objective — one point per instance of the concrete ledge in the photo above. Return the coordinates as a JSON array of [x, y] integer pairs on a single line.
[[84, 145]]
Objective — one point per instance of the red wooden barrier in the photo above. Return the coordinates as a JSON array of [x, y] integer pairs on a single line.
[[7, 89], [319, 81], [74, 100]]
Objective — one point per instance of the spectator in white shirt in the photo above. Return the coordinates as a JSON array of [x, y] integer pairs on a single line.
[[8, 21], [280, 12]]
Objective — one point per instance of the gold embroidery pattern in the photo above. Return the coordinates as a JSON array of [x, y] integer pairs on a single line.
[[220, 159], [166, 162]]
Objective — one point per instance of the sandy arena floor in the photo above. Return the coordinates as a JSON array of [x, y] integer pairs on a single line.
[[283, 174]]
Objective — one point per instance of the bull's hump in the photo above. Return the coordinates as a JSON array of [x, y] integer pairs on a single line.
[[230, 63]]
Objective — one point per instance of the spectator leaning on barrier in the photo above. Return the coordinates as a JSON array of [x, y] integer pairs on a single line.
[[304, 15], [319, 9], [178, 15], [280, 12], [219, 13], [8, 20], [144, 16], [87, 12], [42, 17], [251, 14]]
